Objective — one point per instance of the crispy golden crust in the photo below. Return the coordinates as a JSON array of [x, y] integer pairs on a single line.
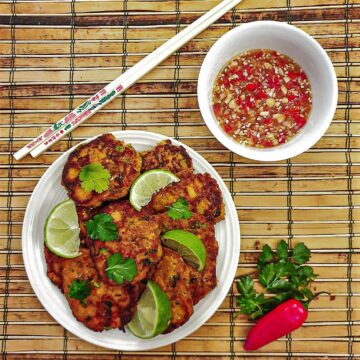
[[173, 276], [84, 214], [201, 282], [107, 306], [124, 166], [139, 239], [54, 267], [200, 190], [168, 157]]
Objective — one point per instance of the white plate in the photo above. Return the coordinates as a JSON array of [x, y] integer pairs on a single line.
[[49, 192]]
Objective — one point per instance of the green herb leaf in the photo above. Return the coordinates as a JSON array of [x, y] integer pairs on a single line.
[[265, 256], [267, 275], [79, 289], [101, 227], [282, 250], [120, 148], [301, 254], [279, 285], [119, 269], [94, 177], [179, 210], [305, 275], [249, 302], [245, 286]]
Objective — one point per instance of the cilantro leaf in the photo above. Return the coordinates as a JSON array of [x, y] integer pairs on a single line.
[[94, 177], [101, 227], [301, 254], [119, 269], [282, 250], [79, 289], [265, 256], [267, 275], [245, 286], [305, 275], [179, 210]]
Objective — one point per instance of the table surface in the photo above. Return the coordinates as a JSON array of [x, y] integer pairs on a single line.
[[57, 53]]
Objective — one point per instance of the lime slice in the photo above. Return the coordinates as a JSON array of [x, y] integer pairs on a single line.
[[61, 230], [147, 184], [153, 313], [188, 245]]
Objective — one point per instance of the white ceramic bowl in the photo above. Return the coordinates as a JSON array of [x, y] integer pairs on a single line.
[[304, 50]]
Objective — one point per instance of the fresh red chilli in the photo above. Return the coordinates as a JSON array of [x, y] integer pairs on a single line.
[[262, 98]]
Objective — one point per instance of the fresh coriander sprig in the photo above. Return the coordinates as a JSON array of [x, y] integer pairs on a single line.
[[119, 269], [283, 276], [179, 210], [94, 177], [101, 227], [79, 290]]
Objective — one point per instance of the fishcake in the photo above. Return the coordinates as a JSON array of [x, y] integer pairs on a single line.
[[201, 191], [173, 276], [201, 282], [138, 238], [106, 306], [168, 157], [122, 162]]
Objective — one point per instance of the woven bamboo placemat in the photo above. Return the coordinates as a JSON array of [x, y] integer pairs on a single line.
[[56, 53]]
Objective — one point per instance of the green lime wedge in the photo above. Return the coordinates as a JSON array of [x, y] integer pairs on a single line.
[[188, 245], [147, 184], [61, 230], [153, 313]]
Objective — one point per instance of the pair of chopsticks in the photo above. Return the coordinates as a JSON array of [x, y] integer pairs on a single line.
[[88, 108]]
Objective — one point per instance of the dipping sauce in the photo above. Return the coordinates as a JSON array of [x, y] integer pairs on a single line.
[[262, 98]]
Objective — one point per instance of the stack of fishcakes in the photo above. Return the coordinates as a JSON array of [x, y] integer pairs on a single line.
[[110, 305]]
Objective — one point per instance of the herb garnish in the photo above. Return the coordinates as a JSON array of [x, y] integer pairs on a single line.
[[120, 148], [120, 269], [94, 177], [101, 227], [79, 290], [282, 274], [179, 210]]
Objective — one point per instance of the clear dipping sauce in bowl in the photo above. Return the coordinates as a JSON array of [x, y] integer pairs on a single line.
[[262, 98]]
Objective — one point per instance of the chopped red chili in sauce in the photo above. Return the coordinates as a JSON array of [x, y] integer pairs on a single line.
[[262, 98]]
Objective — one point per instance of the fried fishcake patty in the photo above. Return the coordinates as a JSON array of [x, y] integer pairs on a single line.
[[201, 282], [122, 161], [139, 239], [173, 276], [107, 306], [168, 157], [200, 190]]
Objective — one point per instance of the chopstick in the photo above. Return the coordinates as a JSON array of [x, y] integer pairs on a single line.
[[88, 108]]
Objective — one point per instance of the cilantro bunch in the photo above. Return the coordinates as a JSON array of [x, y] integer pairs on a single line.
[[282, 274]]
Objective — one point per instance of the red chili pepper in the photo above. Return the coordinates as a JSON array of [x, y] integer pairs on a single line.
[[217, 109], [280, 321], [251, 86], [228, 128]]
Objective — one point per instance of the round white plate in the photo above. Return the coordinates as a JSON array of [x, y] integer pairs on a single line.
[[49, 192]]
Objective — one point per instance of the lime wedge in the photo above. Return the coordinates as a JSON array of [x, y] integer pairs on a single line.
[[188, 245], [147, 184], [153, 313], [61, 230]]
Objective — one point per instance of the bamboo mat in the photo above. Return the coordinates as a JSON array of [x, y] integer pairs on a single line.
[[56, 53]]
